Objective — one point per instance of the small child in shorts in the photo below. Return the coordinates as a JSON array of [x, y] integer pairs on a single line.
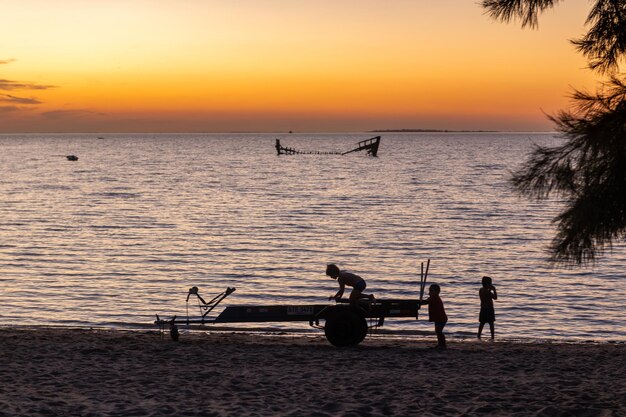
[[487, 314]]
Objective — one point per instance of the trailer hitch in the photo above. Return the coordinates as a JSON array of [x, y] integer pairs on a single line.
[[206, 308]]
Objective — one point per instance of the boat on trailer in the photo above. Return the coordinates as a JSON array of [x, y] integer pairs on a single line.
[[345, 324]]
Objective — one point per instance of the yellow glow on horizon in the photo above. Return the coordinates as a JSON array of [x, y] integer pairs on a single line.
[[362, 59]]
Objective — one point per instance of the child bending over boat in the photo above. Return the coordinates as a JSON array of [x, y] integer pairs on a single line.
[[351, 280]]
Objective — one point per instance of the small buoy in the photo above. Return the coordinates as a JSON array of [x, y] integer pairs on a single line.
[[72, 158]]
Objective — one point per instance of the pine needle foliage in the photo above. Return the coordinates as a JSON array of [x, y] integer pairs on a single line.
[[588, 171], [604, 44], [525, 10]]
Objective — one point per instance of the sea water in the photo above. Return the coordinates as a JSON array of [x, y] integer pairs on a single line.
[[125, 231]]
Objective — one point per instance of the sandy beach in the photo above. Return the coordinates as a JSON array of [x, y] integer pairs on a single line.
[[64, 372]]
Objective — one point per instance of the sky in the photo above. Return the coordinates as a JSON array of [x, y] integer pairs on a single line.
[[280, 65]]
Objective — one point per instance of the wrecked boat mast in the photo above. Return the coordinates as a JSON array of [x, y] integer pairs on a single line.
[[368, 145]]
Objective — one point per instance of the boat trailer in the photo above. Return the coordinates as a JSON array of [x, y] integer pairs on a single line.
[[344, 324]]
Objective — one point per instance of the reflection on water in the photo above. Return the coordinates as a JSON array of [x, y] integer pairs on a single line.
[[123, 232]]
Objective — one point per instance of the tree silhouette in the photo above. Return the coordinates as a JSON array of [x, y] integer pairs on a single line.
[[589, 170]]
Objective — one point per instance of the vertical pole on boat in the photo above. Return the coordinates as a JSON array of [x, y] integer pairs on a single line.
[[417, 314], [421, 282], [423, 277]]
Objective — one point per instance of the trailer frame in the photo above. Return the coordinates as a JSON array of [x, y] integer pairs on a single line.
[[345, 323]]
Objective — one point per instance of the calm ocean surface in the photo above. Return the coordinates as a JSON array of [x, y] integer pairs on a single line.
[[122, 233]]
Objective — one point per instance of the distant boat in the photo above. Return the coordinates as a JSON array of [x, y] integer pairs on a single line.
[[368, 145], [71, 157], [100, 137]]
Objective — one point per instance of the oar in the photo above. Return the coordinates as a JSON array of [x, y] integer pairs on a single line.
[[425, 275], [417, 314], [422, 282], [423, 279]]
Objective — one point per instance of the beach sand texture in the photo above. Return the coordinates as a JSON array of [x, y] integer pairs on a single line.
[[65, 372]]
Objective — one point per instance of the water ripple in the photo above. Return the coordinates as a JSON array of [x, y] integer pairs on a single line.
[[110, 240]]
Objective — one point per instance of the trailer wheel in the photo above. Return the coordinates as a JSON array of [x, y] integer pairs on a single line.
[[345, 327]]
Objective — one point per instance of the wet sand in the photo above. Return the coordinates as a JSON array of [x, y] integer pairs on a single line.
[[64, 372]]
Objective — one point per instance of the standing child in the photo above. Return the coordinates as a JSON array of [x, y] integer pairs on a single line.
[[437, 313], [487, 294]]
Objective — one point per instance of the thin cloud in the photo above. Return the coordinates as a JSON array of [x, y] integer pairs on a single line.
[[59, 114], [8, 109], [7, 98], [17, 103], [8, 85]]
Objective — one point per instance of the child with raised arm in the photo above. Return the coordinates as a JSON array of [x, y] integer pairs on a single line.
[[437, 314], [351, 280], [487, 314]]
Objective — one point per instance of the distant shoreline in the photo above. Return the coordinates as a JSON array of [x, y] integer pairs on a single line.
[[453, 131], [438, 131]]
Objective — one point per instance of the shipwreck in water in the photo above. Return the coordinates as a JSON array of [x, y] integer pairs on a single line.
[[368, 145]]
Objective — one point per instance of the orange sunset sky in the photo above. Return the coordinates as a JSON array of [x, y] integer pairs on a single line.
[[278, 65]]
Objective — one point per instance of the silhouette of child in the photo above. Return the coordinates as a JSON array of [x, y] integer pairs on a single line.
[[487, 294], [437, 313], [351, 280]]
